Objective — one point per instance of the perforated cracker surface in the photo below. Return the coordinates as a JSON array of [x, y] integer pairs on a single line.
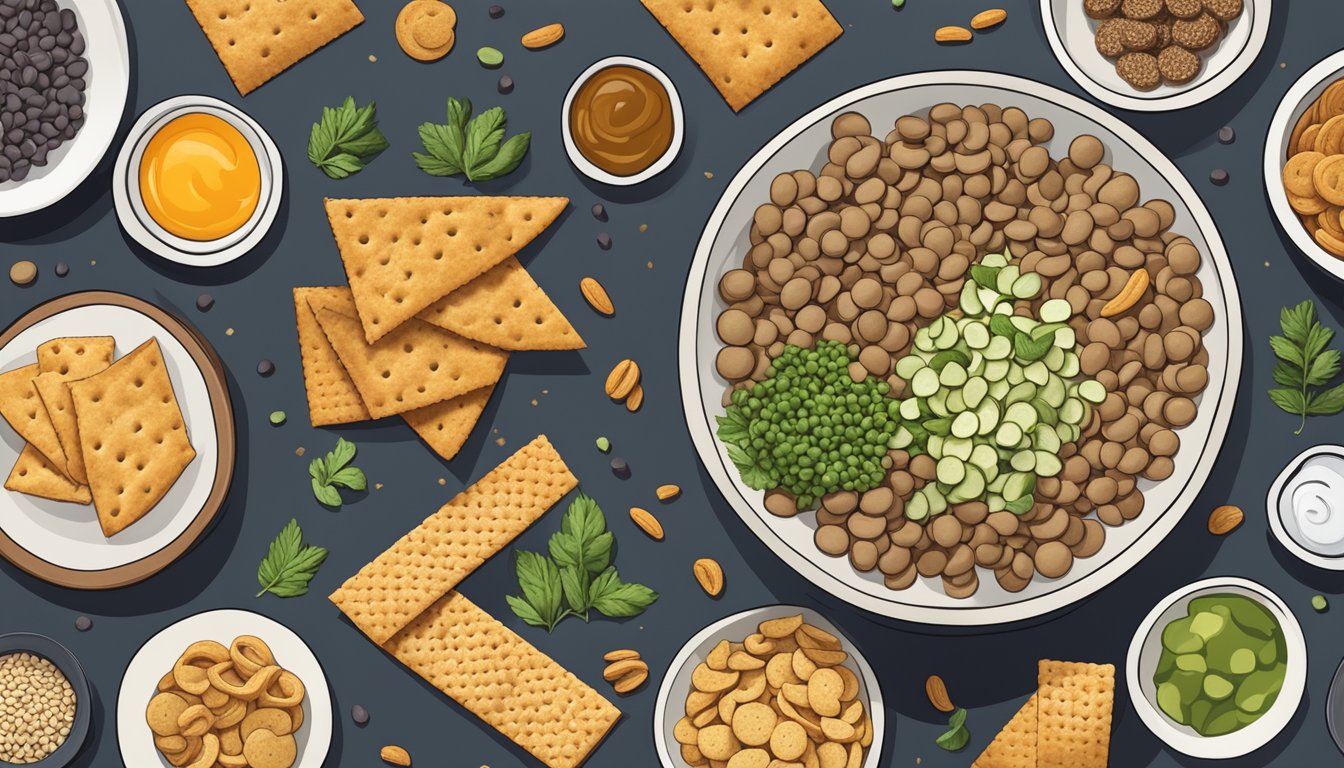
[[1015, 745], [34, 475], [446, 426], [22, 407], [332, 397], [507, 309], [433, 558], [505, 681], [1076, 704]]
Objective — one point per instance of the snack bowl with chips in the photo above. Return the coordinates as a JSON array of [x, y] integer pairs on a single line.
[[1072, 35], [636, 147], [1301, 215], [227, 655], [794, 656], [1168, 619], [161, 207]]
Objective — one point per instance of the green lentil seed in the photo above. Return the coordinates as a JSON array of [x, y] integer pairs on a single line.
[[603, 444], [278, 417], [490, 57], [1319, 603]]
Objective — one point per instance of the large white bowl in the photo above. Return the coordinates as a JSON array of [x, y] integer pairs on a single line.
[[677, 680], [1146, 649], [108, 82], [724, 242], [1300, 96], [1072, 37]]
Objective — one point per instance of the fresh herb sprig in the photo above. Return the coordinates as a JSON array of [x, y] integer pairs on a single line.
[[289, 564], [1305, 364], [956, 737], [578, 577], [346, 139], [470, 146], [334, 471]]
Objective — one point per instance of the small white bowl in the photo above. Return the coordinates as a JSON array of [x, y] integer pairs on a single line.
[[1300, 96], [1072, 37], [677, 680], [1146, 649], [142, 227], [1283, 523], [586, 166]]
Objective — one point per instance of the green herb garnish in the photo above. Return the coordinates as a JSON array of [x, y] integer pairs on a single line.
[[470, 146], [346, 139], [335, 470], [578, 576], [1305, 364], [956, 736], [289, 564]]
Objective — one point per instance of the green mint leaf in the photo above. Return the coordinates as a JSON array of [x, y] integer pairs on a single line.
[[583, 540], [459, 113], [317, 468], [345, 137], [617, 599], [370, 143], [1297, 321], [1287, 375], [352, 478], [340, 166], [340, 456], [755, 477], [957, 737], [1287, 351], [1324, 366], [733, 426], [1290, 400], [484, 133], [289, 565], [434, 166], [444, 145], [327, 494], [524, 610], [539, 579], [1318, 337], [509, 157], [1327, 403], [575, 584]]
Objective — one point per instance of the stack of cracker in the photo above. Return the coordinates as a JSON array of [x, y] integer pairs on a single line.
[[406, 602], [258, 39], [437, 300], [1065, 724], [96, 431]]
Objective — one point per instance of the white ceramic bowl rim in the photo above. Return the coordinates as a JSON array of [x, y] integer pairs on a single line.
[[1273, 508], [1294, 103], [1207, 84], [874, 706], [585, 165], [1241, 742]]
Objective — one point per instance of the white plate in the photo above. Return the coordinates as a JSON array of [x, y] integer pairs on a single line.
[[1300, 96], [677, 679], [157, 656], [107, 82], [799, 146], [1282, 522], [68, 535], [1146, 648], [1072, 37], [586, 166], [135, 219]]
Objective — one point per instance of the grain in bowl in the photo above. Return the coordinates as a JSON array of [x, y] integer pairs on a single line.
[[37, 708]]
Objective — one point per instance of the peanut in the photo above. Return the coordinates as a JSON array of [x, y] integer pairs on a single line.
[[952, 35], [544, 36], [1134, 289], [709, 574], [623, 379], [596, 296], [989, 18], [936, 690], [394, 755]]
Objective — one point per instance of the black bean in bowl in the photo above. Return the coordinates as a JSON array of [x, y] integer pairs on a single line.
[[43, 77]]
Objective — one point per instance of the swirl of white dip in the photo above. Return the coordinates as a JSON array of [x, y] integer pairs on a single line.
[[1318, 504]]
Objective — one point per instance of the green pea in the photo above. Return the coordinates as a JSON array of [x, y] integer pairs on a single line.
[[278, 417], [1319, 603], [603, 444], [490, 57]]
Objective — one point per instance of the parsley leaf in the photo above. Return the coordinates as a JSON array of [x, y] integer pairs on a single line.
[[1305, 363], [617, 599], [470, 146], [346, 138], [333, 471], [539, 579], [289, 564], [956, 737]]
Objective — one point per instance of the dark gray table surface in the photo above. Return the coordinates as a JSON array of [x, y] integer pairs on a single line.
[[560, 394]]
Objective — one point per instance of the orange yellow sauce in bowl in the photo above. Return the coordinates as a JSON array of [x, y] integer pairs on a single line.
[[200, 178]]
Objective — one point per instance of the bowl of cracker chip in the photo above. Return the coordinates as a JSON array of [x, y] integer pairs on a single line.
[[1304, 164], [775, 683]]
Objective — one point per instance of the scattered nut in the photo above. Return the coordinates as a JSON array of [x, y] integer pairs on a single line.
[[1225, 519], [623, 379], [23, 272], [647, 522], [617, 670], [596, 296], [631, 682], [1129, 295], [669, 491], [709, 574], [989, 18], [544, 36], [936, 690], [636, 398], [620, 654], [394, 755], [952, 35]]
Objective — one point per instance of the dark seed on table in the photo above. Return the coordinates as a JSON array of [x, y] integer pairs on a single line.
[[265, 367], [359, 714], [204, 302], [604, 241], [62, 269], [83, 623], [505, 84], [1218, 176], [496, 11], [619, 468], [599, 212], [1226, 135]]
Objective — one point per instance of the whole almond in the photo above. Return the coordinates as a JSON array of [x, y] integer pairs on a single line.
[[394, 755], [989, 18], [952, 35], [636, 398], [623, 379], [647, 522], [596, 296], [631, 681], [617, 670], [544, 36], [1225, 519], [709, 574], [620, 654], [668, 491], [936, 690]]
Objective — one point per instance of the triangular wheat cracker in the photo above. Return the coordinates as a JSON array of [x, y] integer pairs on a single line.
[[22, 407], [1015, 745], [446, 426], [35, 476], [332, 397], [505, 308], [403, 254]]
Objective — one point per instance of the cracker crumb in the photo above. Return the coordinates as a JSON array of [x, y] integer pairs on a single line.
[[93, 262], [1283, 65], [377, 486], [499, 442], [545, 391], [1266, 263], [299, 451], [534, 402], [442, 481], [650, 265], [373, 59], [643, 227], [709, 174], [228, 331]]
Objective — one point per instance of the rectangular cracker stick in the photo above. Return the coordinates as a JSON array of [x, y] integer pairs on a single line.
[[258, 39], [770, 46], [438, 554], [505, 681], [1015, 745], [34, 475], [1075, 706]]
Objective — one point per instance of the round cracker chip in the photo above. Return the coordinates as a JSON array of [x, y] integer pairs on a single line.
[[424, 29], [1331, 100], [1328, 177], [1308, 141], [264, 749], [162, 714], [788, 741], [1330, 137], [1298, 173], [1307, 119], [1330, 243], [1307, 205], [1329, 220], [753, 723]]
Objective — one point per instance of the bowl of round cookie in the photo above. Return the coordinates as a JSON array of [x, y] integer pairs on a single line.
[[1155, 55], [775, 683], [1304, 164]]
